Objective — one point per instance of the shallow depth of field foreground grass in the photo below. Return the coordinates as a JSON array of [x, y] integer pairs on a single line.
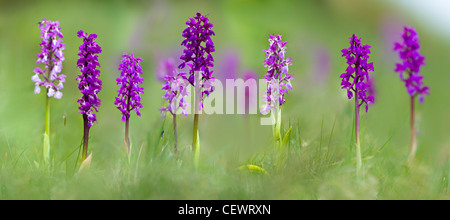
[[319, 162]]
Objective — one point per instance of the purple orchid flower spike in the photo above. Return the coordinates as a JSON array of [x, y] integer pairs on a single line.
[[356, 77], [88, 83], [279, 81], [355, 80], [51, 56], [412, 61], [176, 84], [129, 97], [176, 92], [197, 55]]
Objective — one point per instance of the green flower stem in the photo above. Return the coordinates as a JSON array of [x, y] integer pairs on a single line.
[[196, 141], [46, 146], [127, 126], [85, 137], [276, 120], [127, 136], [276, 127], [358, 146], [413, 145], [195, 136], [175, 133]]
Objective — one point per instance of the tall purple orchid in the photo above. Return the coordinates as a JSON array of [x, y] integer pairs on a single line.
[[197, 55], [176, 84], [355, 80], [277, 74], [176, 92], [88, 83], [411, 63], [51, 56], [129, 97], [278, 79]]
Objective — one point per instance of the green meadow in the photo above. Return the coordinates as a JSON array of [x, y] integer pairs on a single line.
[[319, 159]]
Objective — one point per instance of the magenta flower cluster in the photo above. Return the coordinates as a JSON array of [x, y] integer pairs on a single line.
[[51, 56], [175, 85], [279, 81], [412, 60], [88, 82], [355, 79], [129, 97], [196, 55]]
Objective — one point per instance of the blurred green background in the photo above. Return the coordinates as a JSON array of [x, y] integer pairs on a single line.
[[320, 161]]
